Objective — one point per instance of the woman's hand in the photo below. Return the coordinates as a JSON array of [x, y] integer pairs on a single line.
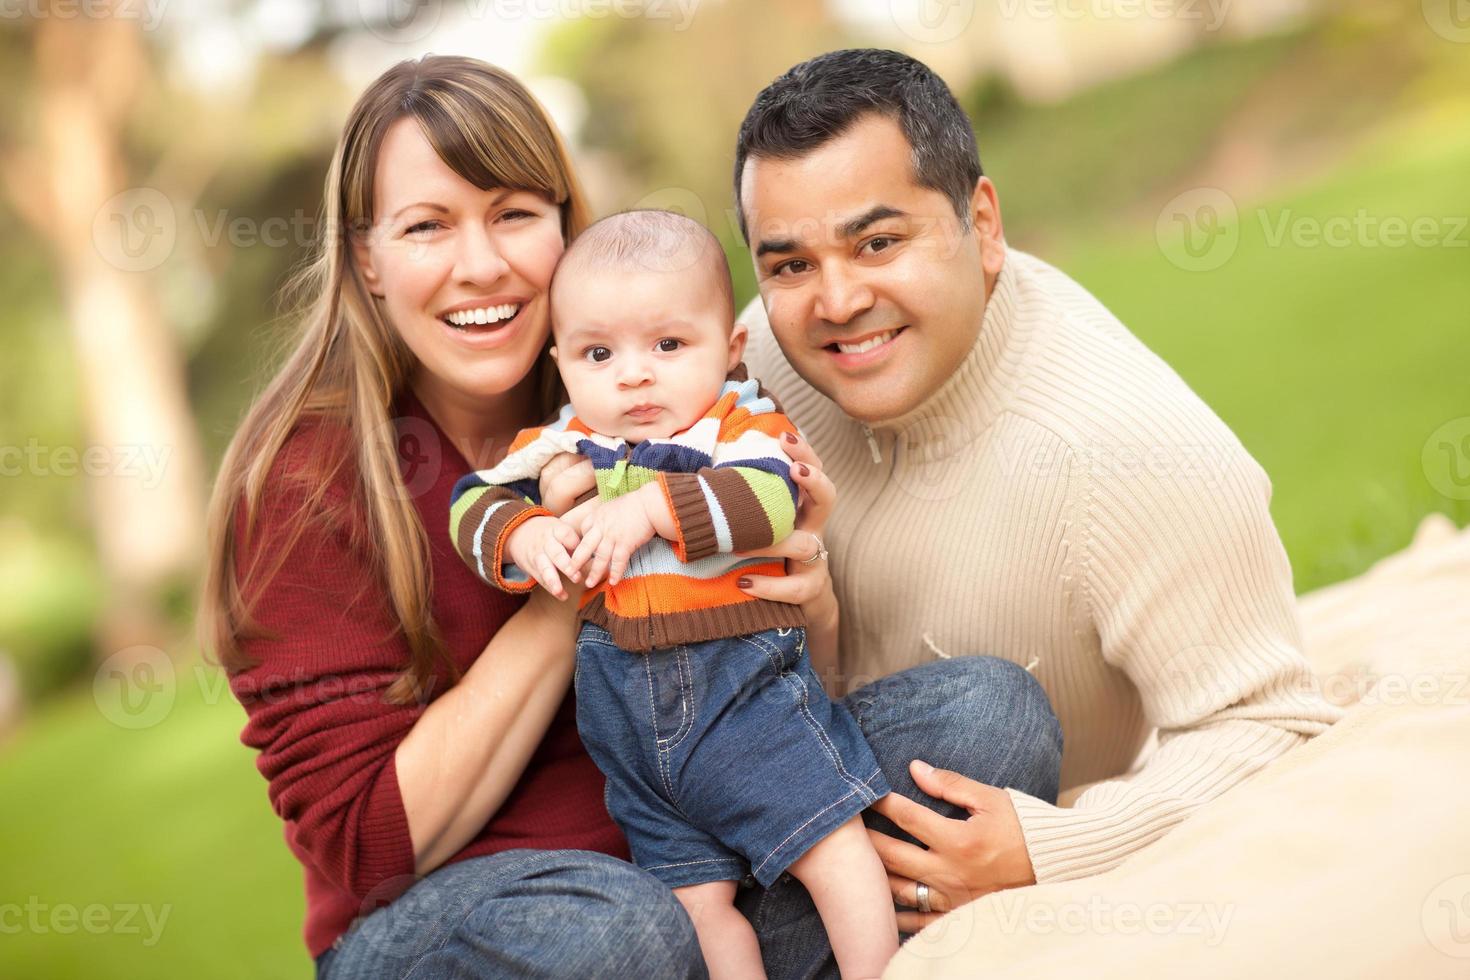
[[563, 480], [966, 858], [807, 584]]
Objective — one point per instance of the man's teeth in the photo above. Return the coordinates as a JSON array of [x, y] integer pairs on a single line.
[[486, 314], [868, 344]]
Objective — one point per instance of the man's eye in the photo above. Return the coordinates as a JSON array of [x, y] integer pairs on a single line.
[[878, 244], [794, 267], [663, 345], [597, 354]]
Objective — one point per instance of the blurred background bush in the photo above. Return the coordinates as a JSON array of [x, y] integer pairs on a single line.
[[1272, 194]]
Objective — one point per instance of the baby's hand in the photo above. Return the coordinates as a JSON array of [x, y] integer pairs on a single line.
[[612, 531], [540, 546]]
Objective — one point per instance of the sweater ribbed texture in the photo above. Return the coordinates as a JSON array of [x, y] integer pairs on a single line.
[[1065, 501]]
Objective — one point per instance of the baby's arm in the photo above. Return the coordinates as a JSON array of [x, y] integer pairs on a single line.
[[501, 530], [616, 528], [745, 499]]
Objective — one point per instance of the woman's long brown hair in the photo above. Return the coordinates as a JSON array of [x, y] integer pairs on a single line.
[[349, 363]]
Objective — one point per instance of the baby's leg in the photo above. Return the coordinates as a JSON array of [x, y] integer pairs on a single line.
[[849, 886], [731, 951]]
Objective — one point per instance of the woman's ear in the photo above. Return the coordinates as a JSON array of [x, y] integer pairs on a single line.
[[738, 335], [362, 255]]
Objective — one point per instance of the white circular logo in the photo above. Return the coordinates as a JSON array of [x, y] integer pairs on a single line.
[[1446, 917], [135, 230], [400, 21], [1446, 459], [1199, 230], [135, 688], [1450, 19], [932, 21]]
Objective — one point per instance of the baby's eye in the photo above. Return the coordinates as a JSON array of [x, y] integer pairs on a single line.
[[665, 345], [597, 354]]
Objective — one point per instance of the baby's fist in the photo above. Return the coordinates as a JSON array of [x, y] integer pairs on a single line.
[[541, 546]]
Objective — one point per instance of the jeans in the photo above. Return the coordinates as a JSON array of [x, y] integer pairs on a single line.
[[724, 757], [542, 913]]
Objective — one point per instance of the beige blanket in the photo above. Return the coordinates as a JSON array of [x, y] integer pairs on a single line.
[[1348, 857]]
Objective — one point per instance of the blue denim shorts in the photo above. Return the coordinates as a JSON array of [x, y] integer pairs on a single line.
[[722, 758]]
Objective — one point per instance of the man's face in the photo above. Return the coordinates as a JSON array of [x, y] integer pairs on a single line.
[[875, 289]]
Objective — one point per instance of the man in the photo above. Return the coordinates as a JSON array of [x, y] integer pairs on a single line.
[[1017, 476]]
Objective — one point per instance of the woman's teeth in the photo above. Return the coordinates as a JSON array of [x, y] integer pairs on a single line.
[[868, 344], [486, 314]]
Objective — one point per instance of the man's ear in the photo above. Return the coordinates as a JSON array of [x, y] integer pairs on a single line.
[[986, 223], [739, 334], [363, 256]]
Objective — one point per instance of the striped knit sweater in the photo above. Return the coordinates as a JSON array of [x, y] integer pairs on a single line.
[[727, 483], [1064, 500]]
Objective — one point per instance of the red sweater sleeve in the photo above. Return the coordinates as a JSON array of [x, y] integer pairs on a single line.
[[326, 650]]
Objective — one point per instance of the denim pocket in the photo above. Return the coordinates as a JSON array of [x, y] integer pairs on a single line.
[[671, 695]]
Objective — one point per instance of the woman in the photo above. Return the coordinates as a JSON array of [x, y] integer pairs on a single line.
[[416, 729]]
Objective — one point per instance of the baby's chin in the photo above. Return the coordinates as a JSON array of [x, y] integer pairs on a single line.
[[633, 434]]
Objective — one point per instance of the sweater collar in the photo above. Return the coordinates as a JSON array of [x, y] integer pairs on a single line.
[[963, 407]]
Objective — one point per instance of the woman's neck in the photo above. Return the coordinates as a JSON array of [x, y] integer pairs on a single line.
[[481, 428]]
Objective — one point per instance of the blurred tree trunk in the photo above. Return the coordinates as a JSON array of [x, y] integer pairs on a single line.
[[145, 483]]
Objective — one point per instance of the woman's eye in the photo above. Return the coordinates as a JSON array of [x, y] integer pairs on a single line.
[[517, 214], [597, 354], [668, 345], [421, 226]]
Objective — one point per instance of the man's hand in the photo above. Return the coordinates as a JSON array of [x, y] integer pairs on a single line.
[[616, 528], [541, 546], [966, 858]]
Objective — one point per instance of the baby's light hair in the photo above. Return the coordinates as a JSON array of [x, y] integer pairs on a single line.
[[652, 240]]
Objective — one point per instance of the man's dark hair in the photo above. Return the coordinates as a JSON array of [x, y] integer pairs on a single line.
[[817, 100]]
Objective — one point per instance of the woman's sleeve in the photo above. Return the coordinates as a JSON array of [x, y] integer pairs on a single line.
[[1186, 582], [326, 651]]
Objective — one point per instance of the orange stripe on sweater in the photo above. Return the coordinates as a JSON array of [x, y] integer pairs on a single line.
[[666, 593]]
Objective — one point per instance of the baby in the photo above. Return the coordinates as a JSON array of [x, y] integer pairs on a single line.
[[723, 754]]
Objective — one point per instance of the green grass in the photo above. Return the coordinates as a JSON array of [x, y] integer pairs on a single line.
[[1332, 364], [173, 817]]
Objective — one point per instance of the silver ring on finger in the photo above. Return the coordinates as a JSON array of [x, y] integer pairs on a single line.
[[821, 554], [921, 897]]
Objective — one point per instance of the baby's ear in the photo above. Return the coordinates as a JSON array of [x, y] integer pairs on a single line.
[[552, 351], [738, 336]]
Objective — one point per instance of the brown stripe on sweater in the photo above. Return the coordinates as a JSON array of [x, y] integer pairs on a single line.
[[750, 525]]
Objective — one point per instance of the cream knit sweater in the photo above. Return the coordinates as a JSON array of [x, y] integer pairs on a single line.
[[1065, 501]]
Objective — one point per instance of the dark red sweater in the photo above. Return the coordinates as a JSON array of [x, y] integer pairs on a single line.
[[326, 737]]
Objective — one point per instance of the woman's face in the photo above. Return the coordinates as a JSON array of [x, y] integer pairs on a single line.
[[462, 272]]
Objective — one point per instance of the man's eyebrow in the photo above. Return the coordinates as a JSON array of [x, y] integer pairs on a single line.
[[848, 229], [778, 245], [855, 226]]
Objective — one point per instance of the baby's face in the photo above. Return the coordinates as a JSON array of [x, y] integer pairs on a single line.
[[643, 353]]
